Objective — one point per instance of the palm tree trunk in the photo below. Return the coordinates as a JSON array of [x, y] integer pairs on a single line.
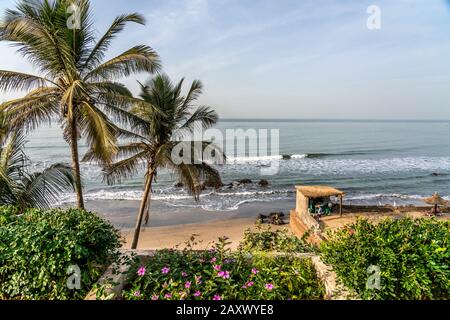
[[76, 164], [147, 209], [144, 203]]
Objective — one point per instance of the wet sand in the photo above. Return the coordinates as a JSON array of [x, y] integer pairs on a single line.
[[122, 213]]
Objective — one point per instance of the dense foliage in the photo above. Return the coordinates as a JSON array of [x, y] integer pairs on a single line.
[[264, 238], [21, 187], [412, 255], [220, 274], [37, 248]]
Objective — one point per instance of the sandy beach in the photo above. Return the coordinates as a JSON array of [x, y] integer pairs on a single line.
[[169, 236], [171, 226], [206, 234]]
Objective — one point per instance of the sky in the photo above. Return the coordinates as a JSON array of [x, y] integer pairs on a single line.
[[292, 58]]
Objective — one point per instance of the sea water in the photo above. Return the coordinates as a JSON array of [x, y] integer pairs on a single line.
[[374, 162]]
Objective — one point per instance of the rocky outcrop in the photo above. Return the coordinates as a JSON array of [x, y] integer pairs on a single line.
[[263, 183], [275, 218]]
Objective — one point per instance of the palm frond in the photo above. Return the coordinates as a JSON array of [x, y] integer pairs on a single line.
[[126, 168], [100, 132], [99, 51], [202, 118], [43, 189], [29, 112], [16, 81], [38, 30], [137, 59]]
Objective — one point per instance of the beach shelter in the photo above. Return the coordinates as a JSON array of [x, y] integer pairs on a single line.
[[436, 200], [306, 193]]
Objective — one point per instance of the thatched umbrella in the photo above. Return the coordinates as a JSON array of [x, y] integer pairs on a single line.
[[436, 200]]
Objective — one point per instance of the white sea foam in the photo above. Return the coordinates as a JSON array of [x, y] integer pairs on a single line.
[[229, 201]]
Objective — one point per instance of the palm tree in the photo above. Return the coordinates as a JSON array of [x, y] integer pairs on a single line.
[[74, 83], [167, 131], [21, 188]]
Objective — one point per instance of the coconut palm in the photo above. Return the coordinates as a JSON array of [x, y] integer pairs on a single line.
[[168, 133], [74, 82], [23, 189]]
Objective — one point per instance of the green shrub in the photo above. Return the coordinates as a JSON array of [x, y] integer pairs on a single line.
[[222, 274], [412, 255], [37, 248], [266, 239], [8, 214]]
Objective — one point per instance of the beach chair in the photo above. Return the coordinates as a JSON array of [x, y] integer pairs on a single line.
[[327, 209], [312, 208]]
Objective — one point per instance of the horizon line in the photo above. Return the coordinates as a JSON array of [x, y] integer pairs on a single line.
[[332, 119]]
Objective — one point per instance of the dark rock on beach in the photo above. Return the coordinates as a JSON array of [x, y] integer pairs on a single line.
[[276, 221], [263, 183], [244, 181], [261, 218], [210, 183], [276, 214], [275, 218]]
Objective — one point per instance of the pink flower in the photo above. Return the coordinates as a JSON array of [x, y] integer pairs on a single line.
[[224, 274], [214, 259], [217, 267], [254, 271], [155, 297], [141, 271], [250, 283], [167, 296], [269, 286], [165, 270], [244, 287], [187, 285], [184, 274], [197, 294], [137, 293], [217, 297]]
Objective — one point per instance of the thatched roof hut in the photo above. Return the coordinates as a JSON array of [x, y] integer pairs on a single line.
[[436, 199], [305, 193], [319, 191]]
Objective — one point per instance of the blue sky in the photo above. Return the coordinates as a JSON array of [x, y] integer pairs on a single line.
[[294, 58]]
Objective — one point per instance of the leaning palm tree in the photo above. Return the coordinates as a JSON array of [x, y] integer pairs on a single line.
[[167, 137], [74, 82], [23, 189]]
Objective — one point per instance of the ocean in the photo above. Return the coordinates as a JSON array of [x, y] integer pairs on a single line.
[[374, 162]]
